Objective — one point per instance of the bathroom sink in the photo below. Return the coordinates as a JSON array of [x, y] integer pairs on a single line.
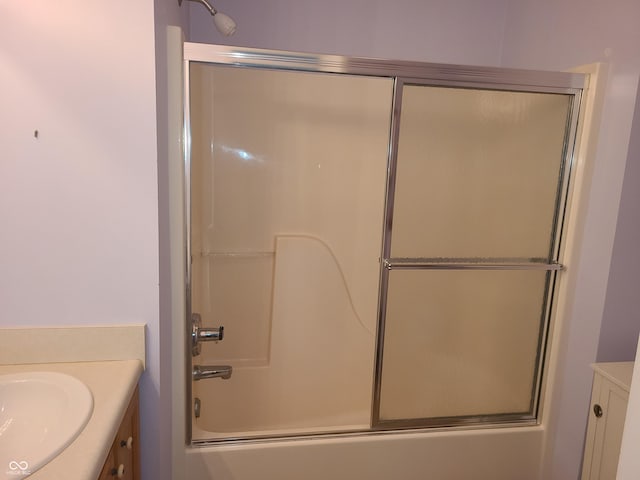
[[41, 413]]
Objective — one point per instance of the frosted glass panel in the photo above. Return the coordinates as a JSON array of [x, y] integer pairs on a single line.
[[477, 173], [460, 343]]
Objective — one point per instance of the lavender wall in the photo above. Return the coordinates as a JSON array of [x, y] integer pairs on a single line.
[[158, 459], [461, 31], [552, 34], [561, 34], [621, 319], [78, 204]]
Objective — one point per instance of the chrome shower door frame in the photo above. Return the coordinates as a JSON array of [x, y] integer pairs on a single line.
[[402, 73], [553, 267]]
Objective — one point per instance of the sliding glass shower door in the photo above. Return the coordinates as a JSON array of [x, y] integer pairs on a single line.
[[287, 177], [380, 241], [470, 253]]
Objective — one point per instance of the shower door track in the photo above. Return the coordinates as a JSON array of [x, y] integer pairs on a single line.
[[477, 424], [435, 73]]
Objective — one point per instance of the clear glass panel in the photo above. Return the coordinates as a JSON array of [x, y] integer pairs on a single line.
[[478, 173], [461, 343], [288, 175]]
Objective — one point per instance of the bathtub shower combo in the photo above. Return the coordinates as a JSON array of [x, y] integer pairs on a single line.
[[373, 246]]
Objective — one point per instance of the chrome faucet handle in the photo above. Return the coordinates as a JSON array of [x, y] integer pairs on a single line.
[[210, 334], [199, 334]]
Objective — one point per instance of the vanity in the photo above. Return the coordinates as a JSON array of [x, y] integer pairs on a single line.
[[108, 361]]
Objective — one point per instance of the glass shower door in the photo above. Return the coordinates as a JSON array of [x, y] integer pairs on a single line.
[[287, 178], [470, 254]]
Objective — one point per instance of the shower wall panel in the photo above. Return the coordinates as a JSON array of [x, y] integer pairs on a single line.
[[288, 174]]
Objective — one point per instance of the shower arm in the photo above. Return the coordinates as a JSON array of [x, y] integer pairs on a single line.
[[224, 23], [206, 4]]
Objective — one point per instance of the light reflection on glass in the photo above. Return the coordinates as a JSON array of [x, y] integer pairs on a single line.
[[5, 426], [242, 154]]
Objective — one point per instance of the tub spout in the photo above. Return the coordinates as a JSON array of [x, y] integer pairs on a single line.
[[212, 371]]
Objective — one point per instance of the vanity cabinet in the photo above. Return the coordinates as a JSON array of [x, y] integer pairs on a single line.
[[609, 397], [123, 460]]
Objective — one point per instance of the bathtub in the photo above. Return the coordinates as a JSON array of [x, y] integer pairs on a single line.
[[509, 453]]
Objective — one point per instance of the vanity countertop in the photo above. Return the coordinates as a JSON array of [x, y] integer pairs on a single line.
[[112, 384]]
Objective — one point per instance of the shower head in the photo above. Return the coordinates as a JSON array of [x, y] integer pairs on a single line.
[[224, 23]]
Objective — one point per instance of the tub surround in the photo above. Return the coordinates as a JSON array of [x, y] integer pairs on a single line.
[[109, 360]]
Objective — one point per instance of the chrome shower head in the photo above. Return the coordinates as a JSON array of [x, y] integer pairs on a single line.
[[224, 23]]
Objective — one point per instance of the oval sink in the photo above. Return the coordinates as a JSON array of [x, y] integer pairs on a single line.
[[41, 413]]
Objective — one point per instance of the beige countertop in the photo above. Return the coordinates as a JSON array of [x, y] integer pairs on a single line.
[[112, 384]]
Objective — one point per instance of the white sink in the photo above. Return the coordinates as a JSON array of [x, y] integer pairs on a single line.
[[41, 413]]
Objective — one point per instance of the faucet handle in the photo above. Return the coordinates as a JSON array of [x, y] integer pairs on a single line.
[[199, 334], [210, 334]]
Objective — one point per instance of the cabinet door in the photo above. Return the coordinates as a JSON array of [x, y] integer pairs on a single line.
[[604, 434], [126, 443], [109, 465], [123, 459]]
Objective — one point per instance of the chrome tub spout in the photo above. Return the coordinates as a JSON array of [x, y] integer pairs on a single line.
[[212, 371]]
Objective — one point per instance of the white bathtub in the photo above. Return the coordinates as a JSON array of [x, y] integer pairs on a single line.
[[511, 453]]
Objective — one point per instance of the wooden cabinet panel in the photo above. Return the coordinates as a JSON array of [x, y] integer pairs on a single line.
[[106, 473], [123, 460]]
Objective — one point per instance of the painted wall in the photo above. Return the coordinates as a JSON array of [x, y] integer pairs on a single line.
[[463, 31], [560, 35], [78, 202], [166, 459], [170, 19], [621, 320]]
